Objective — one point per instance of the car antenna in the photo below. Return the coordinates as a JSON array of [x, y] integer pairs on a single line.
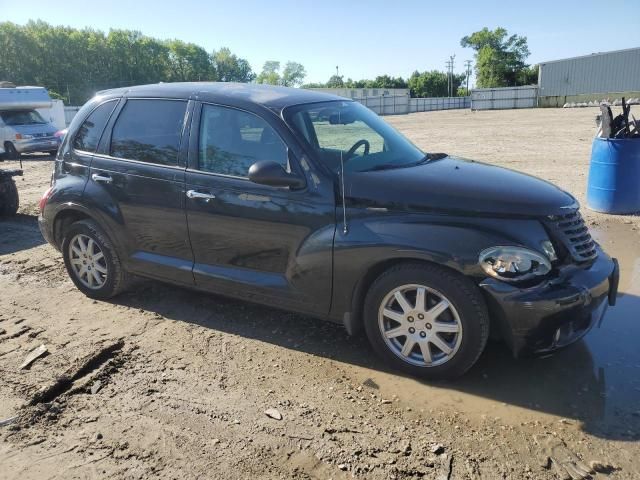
[[345, 229]]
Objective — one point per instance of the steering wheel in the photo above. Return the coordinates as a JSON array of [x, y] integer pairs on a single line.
[[356, 146]]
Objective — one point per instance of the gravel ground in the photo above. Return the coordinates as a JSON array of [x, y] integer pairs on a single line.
[[167, 383]]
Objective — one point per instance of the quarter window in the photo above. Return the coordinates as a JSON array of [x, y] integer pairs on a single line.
[[91, 129], [149, 131], [232, 140]]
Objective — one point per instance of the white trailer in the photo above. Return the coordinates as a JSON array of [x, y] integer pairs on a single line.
[[22, 128]]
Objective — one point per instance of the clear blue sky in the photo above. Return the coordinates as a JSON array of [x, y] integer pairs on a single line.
[[365, 38]]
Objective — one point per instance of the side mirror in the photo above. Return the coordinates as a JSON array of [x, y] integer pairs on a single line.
[[266, 172]]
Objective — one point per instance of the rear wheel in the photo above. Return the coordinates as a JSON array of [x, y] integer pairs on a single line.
[[92, 261], [10, 151], [426, 320], [9, 199]]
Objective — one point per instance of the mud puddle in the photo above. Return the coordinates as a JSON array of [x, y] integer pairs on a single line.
[[594, 383]]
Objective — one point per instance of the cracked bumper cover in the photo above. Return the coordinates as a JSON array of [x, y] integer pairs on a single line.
[[557, 312]]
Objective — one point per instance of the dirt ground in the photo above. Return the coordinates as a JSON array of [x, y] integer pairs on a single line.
[[168, 383]]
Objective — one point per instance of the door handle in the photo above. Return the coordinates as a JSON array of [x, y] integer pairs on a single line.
[[96, 177], [196, 194]]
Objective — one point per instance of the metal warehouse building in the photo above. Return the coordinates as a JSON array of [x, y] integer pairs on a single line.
[[590, 78]]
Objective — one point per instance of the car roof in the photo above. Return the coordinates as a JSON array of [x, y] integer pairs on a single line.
[[272, 97]]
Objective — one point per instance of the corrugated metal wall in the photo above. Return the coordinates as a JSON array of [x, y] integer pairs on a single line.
[[400, 105], [504, 98], [364, 92], [386, 105], [599, 73], [69, 113], [438, 103]]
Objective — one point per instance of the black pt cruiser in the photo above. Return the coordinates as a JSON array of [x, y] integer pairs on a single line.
[[311, 203]]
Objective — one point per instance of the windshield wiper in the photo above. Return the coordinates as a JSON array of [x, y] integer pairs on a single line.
[[389, 166]]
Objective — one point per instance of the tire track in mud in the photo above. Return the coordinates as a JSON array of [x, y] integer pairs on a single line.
[[74, 375]]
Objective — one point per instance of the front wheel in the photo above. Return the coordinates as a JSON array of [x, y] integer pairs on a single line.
[[426, 320], [92, 261]]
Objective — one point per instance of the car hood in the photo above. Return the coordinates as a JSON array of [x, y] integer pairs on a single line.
[[460, 186]]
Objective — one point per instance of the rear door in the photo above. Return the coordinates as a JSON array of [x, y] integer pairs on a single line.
[[256, 242], [72, 170], [137, 181]]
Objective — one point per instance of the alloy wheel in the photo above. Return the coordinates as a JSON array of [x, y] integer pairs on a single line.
[[420, 325], [88, 262]]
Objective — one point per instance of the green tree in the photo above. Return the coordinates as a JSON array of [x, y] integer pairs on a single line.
[[189, 62], [433, 83], [230, 68], [270, 73], [529, 76], [314, 85], [76, 63], [293, 74], [385, 81], [500, 57], [335, 81]]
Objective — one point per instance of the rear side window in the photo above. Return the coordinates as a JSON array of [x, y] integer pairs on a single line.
[[149, 131], [232, 140], [91, 129]]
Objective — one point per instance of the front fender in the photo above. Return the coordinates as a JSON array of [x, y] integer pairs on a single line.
[[374, 242]]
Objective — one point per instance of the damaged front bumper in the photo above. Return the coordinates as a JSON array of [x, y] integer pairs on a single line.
[[557, 312]]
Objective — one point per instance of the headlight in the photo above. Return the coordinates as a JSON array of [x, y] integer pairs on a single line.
[[513, 264], [23, 136]]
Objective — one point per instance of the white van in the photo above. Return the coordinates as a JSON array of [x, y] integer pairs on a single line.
[[22, 128]]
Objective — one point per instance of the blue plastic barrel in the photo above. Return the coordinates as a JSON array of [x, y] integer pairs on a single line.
[[614, 176]]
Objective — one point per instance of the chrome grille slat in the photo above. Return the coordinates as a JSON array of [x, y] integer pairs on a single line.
[[574, 235]]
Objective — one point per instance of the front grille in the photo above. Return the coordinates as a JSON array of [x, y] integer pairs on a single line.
[[42, 135], [571, 231]]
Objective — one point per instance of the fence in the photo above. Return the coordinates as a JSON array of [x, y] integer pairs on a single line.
[[396, 105], [504, 98], [69, 113], [386, 105], [438, 103]]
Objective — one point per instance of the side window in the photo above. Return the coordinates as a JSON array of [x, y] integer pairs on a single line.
[[149, 131], [91, 129], [231, 141]]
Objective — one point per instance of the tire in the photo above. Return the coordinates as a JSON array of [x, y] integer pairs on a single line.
[[9, 198], [10, 151], [114, 279], [461, 329]]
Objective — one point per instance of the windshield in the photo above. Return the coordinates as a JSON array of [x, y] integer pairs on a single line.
[[22, 117], [351, 131]]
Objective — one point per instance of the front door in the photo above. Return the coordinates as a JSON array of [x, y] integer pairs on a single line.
[[138, 177], [251, 241]]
